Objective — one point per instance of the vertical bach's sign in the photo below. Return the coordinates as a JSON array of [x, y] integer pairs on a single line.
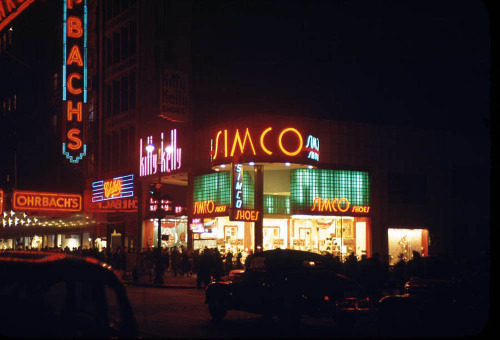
[[74, 80]]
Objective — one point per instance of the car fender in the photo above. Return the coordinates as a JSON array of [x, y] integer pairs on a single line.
[[218, 290]]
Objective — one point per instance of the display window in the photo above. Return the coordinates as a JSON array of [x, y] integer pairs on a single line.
[[403, 243], [336, 235], [173, 232]]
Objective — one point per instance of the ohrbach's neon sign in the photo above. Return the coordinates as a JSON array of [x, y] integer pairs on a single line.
[[288, 142], [74, 83], [337, 205], [46, 201]]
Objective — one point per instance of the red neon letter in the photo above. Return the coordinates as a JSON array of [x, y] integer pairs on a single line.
[[75, 29], [71, 2], [76, 141], [75, 56], [72, 111], [71, 89]]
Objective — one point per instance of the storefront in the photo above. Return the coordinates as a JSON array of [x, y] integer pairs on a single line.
[[267, 189]]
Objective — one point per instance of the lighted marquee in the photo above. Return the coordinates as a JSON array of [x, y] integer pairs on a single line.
[[46, 201], [266, 144], [118, 187], [170, 160], [1, 201], [74, 79]]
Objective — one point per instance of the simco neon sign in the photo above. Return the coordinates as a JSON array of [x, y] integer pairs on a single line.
[[118, 187], [169, 160], [337, 205], [287, 142], [74, 79]]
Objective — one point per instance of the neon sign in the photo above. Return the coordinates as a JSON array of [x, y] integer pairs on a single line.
[[313, 147], [8, 10], [118, 205], [337, 205], [238, 186], [74, 79], [287, 142], [118, 187], [46, 201], [208, 207], [245, 215], [169, 160]]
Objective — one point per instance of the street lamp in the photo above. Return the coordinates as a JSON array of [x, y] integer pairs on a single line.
[[159, 210]]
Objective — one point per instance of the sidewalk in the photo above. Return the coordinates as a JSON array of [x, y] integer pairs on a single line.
[[169, 281]]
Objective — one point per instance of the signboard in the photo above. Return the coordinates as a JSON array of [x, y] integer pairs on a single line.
[[269, 144], [46, 201], [208, 208], [337, 205], [170, 160], [1, 201], [247, 215], [116, 205], [174, 95], [117, 187], [9, 9], [74, 80]]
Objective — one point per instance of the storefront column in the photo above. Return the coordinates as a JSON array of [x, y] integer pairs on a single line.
[[259, 206]]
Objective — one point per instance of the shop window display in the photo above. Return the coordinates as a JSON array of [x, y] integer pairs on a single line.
[[339, 236], [403, 242]]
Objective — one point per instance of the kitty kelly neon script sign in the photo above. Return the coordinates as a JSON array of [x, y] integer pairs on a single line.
[[170, 160]]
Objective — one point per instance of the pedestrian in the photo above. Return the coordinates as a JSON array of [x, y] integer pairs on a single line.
[[175, 259], [184, 262], [239, 265], [228, 262]]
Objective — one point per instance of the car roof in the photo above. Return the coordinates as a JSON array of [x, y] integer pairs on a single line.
[[67, 266]]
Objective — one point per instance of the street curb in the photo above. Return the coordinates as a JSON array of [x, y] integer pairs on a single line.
[[156, 285]]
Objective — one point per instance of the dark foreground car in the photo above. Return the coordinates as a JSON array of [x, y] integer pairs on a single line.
[[437, 302], [51, 295], [288, 283]]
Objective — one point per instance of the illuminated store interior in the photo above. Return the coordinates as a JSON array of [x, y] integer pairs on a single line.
[[319, 210]]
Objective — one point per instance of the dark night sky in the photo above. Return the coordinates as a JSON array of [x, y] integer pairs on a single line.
[[414, 63]]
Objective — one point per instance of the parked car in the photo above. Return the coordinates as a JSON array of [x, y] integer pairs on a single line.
[[431, 304], [290, 284], [52, 295]]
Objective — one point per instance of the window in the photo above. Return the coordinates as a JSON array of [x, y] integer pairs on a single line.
[[132, 90], [125, 42], [124, 94], [108, 101], [116, 47], [116, 97], [109, 54], [132, 38]]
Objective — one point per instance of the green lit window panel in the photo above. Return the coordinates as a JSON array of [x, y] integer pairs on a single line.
[[276, 204], [217, 187], [308, 184]]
